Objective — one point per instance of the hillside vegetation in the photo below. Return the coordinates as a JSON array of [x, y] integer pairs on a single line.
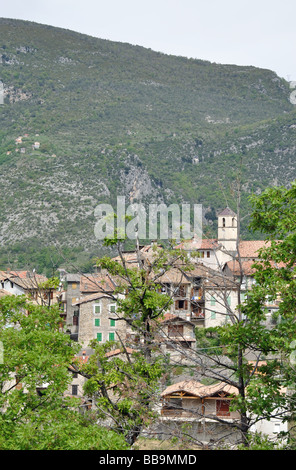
[[114, 119]]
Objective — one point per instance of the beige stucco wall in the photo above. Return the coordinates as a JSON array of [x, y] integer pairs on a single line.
[[216, 312]]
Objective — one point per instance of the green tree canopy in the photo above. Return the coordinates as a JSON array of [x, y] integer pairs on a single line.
[[34, 374]]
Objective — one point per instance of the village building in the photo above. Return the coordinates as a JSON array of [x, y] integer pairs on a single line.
[[75, 286], [207, 295], [28, 283], [176, 337], [99, 320], [200, 408]]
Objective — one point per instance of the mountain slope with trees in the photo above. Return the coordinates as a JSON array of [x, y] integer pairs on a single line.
[[115, 119]]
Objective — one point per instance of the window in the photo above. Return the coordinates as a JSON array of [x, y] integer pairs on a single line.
[[223, 222], [74, 389], [112, 322], [222, 407], [97, 309], [181, 305], [99, 336], [213, 315], [112, 308], [111, 336], [208, 254], [97, 322], [277, 428], [74, 285], [213, 300], [181, 291], [229, 300]]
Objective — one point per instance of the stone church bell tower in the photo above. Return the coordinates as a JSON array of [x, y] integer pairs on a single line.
[[227, 230]]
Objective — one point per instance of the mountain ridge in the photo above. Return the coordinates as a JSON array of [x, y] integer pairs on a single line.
[[117, 119]]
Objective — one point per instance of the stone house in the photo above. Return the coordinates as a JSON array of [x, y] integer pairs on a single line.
[[190, 398], [75, 388], [204, 409], [98, 319], [77, 286], [187, 292], [176, 336]]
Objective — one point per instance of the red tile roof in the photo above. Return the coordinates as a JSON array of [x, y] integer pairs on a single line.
[[249, 248], [96, 283], [198, 244], [247, 268], [116, 352]]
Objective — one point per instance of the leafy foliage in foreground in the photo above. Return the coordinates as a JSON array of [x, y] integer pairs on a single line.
[[37, 355]]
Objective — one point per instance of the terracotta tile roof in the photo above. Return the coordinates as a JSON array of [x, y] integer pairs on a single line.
[[198, 244], [200, 270], [249, 248], [96, 283], [4, 292], [116, 352], [25, 279], [247, 268], [173, 276], [197, 389], [92, 297]]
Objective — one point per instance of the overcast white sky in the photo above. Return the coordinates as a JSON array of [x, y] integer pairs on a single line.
[[243, 32]]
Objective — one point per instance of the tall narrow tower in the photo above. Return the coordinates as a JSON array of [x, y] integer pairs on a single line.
[[227, 230]]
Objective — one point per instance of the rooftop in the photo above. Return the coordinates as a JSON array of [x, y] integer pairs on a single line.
[[197, 389]]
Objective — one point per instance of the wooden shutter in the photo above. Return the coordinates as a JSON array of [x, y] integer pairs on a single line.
[[111, 336], [222, 407]]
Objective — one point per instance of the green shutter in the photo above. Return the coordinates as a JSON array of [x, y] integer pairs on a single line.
[[111, 336], [97, 322], [112, 322], [213, 300], [213, 315], [112, 308], [99, 336], [97, 308]]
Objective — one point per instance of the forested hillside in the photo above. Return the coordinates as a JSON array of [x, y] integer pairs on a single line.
[[114, 119]]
